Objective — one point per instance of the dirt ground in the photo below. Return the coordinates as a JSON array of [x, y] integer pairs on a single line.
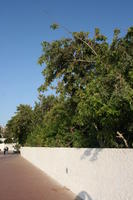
[[20, 180]]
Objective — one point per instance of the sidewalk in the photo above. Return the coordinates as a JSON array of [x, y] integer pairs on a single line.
[[20, 180]]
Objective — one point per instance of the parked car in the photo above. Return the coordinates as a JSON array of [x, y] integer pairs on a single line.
[[16, 148]]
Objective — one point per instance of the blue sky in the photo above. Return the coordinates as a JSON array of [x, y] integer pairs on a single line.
[[24, 24]]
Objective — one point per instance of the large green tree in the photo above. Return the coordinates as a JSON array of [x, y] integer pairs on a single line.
[[97, 79], [93, 106]]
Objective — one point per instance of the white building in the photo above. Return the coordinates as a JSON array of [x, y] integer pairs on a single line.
[[3, 145]]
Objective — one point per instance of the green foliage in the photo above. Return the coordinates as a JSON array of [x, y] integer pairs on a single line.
[[41, 108], [8, 140], [35, 138], [54, 26], [57, 124], [2, 131], [20, 125], [94, 86]]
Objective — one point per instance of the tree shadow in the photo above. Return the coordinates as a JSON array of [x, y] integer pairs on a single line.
[[91, 153], [83, 196]]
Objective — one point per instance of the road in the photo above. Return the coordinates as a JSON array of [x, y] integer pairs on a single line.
[[20, 180]]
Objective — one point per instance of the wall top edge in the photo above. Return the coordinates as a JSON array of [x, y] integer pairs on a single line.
[[72, 148]]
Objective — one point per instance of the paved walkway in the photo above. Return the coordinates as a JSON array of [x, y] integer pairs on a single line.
[[20, 180]]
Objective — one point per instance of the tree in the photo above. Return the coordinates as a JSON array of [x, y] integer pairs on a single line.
[[93, 106], [20, 125], [41, 109], [1, 131], [97, 79]]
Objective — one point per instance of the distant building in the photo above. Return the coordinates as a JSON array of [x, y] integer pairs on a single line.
[[3, 145]]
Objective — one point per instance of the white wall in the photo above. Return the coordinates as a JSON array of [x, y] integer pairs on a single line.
[[94, 174]]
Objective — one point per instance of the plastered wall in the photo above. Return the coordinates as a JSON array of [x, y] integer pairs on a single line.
[[93, 174]]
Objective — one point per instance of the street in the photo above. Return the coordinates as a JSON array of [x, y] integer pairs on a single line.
[[20, 180]]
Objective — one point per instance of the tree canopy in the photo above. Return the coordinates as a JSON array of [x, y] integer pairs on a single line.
[[93, 105]]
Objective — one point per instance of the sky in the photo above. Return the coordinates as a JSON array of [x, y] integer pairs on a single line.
[[24, 24]]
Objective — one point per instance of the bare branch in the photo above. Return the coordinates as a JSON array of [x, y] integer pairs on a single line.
[[95, 126], [86, 44], [86, 61], [68, 31], [120, 135]]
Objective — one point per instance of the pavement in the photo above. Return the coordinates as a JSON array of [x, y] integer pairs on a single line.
[[20, 180]]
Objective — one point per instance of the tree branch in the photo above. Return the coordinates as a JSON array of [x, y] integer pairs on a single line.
[[86, 44], [86, 61], [120, 135], [66, 29]]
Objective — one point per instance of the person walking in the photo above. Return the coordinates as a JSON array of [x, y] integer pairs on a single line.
[[7, 149], [4, 150]]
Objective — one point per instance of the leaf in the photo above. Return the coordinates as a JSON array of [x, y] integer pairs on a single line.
[[54, 26]]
